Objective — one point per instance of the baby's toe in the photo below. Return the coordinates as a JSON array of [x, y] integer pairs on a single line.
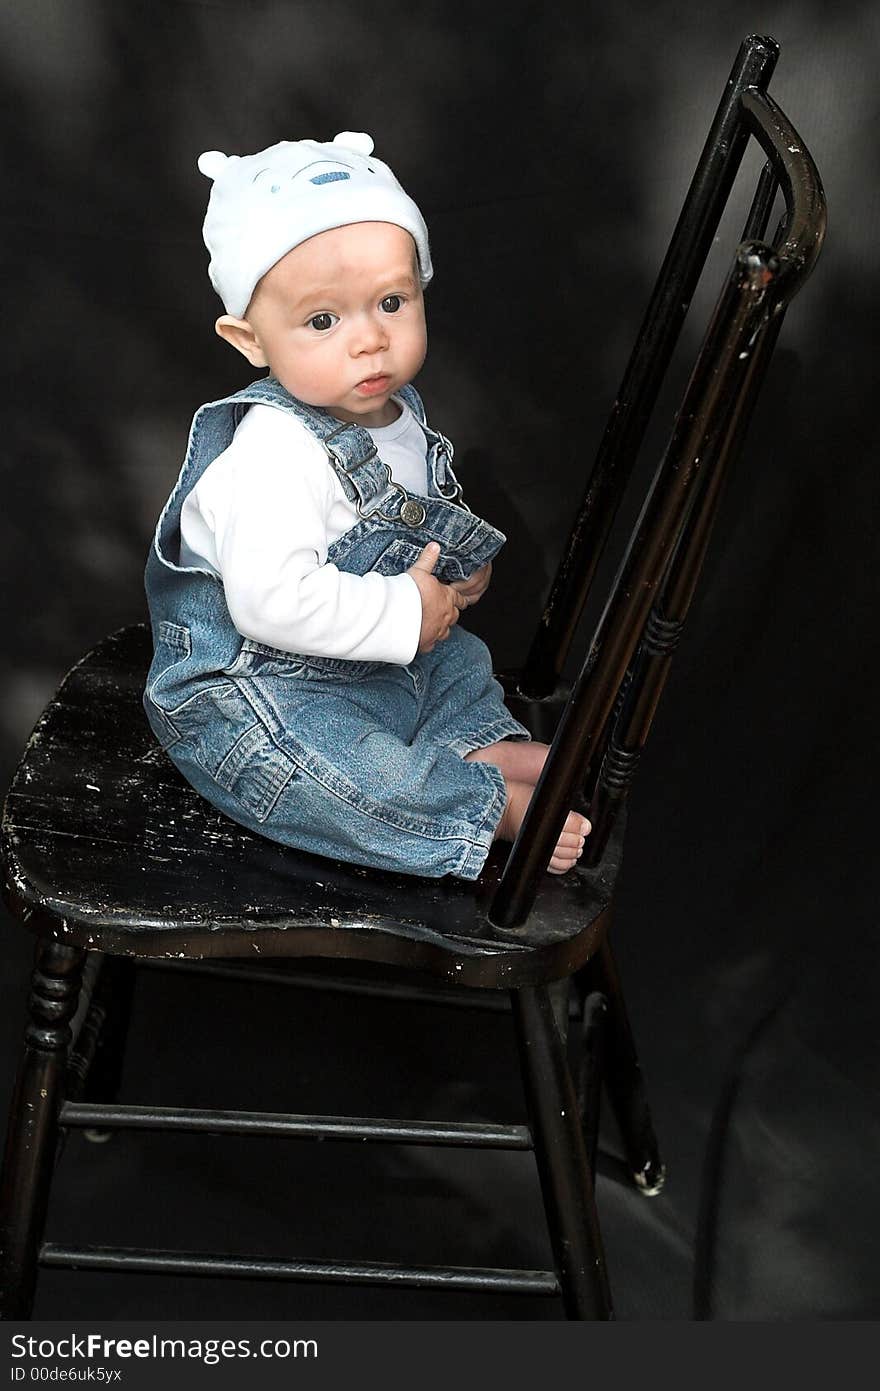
[[565, 857], [570, 841], [578, 825]]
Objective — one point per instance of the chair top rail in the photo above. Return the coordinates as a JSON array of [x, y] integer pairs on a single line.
[[803, 229]]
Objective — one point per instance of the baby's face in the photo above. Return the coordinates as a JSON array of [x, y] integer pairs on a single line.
[[341, 320]]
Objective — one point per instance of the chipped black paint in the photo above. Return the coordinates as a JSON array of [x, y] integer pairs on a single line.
[[105, 846]]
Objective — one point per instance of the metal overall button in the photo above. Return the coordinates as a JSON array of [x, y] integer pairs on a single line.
[[412, 512]]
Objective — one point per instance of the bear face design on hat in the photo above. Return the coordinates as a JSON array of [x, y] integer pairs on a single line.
[[263, 205]]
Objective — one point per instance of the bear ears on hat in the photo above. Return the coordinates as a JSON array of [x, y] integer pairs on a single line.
[[213, 162], [356, 140]]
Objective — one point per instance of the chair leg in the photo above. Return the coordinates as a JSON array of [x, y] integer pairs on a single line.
[[566, 1182], [115, 993], [622, 1075], [101, 1055], [589, 1072], [33, 1123], [559, 992]]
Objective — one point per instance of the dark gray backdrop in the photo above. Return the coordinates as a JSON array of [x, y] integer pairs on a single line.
[[549, 148]]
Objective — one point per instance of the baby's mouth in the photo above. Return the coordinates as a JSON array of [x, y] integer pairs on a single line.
[[373, 386]]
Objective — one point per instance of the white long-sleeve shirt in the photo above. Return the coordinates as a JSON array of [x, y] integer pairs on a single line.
[[262, 517]]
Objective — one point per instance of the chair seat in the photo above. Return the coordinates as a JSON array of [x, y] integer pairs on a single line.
[[102, 834]]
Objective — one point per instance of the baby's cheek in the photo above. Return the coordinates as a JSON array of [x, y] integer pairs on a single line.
[[312, 376]]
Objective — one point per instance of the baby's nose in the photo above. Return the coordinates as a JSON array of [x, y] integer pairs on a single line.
[[370, 334]]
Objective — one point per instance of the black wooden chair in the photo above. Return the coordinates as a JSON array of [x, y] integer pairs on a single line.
[[111, 859]]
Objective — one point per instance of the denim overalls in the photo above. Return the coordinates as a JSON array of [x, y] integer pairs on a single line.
[[361, 761]]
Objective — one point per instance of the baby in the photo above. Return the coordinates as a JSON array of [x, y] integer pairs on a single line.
[[308, 571]]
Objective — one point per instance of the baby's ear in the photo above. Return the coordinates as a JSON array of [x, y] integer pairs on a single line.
[[241, 335]]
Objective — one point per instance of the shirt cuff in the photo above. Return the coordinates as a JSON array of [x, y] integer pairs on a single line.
[[406, 627]]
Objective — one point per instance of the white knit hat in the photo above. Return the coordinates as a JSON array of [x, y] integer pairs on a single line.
[[263, 205]]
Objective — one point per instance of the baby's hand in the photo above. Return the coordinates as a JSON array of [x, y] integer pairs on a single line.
[[475, 586], [440, 603]]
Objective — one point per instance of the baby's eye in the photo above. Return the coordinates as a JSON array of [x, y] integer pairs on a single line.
[[322, 322], [390, 304]]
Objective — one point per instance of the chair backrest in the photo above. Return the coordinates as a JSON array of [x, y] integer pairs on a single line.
[[608, 714]]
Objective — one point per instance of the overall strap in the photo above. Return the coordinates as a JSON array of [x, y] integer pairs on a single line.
[[365, 479], [440, 451], [351, 452], [412, 398]]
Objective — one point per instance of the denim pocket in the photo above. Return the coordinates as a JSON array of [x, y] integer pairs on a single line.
[[255, 772], [397, 558], [401, 555], [220, 732]]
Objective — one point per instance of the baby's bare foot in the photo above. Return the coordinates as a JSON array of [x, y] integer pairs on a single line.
[[571, 840]]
